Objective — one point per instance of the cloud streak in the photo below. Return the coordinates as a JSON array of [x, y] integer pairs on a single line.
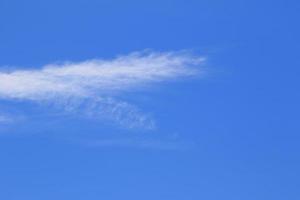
[[141, 143], [92, 87]]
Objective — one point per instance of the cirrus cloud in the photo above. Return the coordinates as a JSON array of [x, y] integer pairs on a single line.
[[92, 87]]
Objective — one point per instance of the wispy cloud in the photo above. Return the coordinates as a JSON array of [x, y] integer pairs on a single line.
[[92, 87]]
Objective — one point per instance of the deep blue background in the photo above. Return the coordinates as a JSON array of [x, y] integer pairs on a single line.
[[242, 119]]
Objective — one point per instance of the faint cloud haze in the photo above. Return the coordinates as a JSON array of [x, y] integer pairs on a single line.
[[5, 119]]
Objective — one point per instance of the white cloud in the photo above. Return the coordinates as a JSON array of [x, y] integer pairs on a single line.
[[91, 86]]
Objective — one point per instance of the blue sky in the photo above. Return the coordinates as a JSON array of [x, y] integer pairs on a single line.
[[149, 100]]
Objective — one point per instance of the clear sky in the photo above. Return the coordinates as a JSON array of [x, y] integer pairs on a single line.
[[144, 100]]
